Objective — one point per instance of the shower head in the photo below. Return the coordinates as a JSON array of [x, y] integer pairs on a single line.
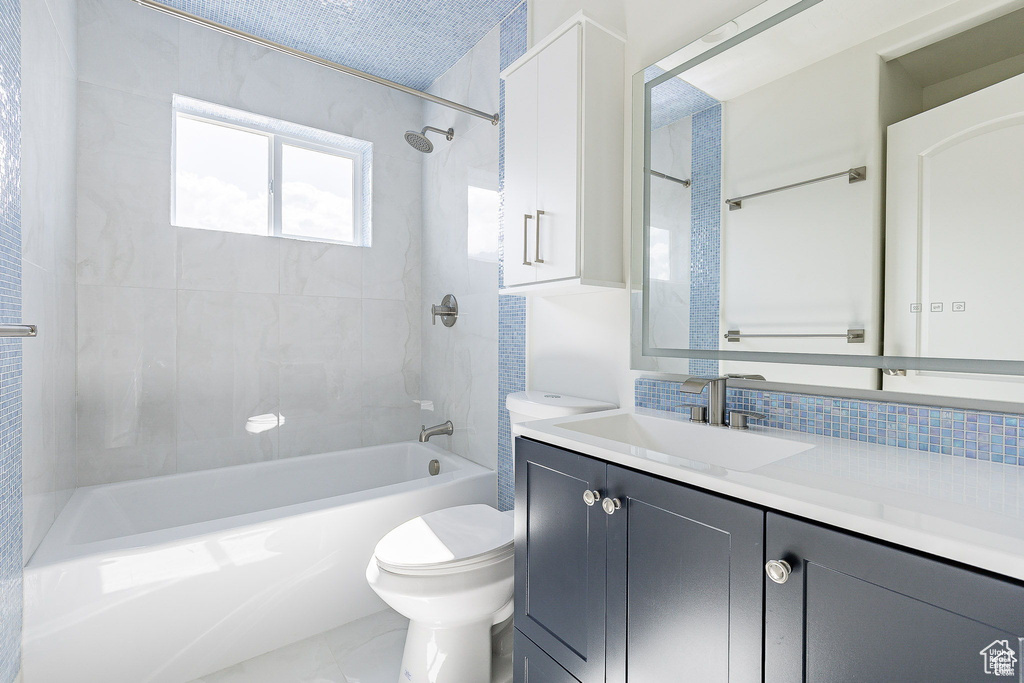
[[421, 143]]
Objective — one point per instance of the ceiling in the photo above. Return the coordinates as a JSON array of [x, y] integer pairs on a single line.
[[411, 42]]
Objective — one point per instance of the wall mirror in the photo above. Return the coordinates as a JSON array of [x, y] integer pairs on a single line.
[[833, 187]]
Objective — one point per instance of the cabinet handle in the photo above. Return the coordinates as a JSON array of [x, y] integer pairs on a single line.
[[778, 570], [610, 505], [536, 246], [591, 497], [526, 238]]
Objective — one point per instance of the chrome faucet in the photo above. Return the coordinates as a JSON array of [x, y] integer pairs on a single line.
[[445, 429], [716, 396]]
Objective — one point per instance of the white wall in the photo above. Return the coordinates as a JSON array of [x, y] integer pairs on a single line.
[[820, 120], [460, 363], [48, 269], [579, 345], [184, 334]]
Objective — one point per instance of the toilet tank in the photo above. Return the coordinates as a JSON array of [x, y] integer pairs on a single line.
[[524, 406]]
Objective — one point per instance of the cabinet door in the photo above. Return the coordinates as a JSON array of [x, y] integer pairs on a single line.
[[558, 157], [532, 665], [684, 584], [520, 174], [560, 557], [859, 610]]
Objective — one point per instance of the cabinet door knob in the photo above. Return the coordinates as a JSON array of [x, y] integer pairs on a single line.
[[610, 505], [778, 570], [591, 497]]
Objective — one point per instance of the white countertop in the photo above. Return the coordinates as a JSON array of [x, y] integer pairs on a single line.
[[961, 509]]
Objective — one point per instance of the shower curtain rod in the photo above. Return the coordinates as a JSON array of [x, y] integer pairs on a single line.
[[181, 14]]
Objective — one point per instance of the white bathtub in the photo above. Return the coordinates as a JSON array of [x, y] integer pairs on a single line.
[[170, 578]]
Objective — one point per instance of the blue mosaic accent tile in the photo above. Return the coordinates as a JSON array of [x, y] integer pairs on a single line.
[[705, 235], [674, 99], [511, 309], [10, 349], [412, 43], [364, 148], [979, 435]]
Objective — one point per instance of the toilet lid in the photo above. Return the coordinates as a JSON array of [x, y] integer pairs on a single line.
[[467, 534]]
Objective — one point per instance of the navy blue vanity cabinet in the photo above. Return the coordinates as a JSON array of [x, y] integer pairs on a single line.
[[847, 609], [646, 580], [532, 665], [685, 583], [560, 557]]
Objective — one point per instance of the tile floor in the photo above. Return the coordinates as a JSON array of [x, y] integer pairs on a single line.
[[366, 651]]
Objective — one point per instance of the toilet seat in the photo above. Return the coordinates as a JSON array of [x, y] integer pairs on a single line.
[[448, 541]]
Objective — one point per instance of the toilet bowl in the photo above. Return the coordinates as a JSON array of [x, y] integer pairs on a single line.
[[450, 573]]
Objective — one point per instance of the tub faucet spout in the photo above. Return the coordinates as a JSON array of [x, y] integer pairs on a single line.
[[445, 429]]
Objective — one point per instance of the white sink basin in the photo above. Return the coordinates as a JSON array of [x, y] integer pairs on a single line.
[[735, 450]]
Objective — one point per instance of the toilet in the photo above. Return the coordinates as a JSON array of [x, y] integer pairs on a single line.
[[526, 406], [450, 573]]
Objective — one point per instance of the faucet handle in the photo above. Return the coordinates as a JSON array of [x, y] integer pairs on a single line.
[[738, 418], [759, 377]]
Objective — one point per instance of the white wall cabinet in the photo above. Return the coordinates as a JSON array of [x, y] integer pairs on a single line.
[[564, 164]]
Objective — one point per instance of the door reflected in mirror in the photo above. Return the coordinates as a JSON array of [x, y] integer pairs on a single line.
[[830, 187]]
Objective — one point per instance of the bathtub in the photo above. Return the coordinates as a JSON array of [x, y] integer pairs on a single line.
[[167, 579]]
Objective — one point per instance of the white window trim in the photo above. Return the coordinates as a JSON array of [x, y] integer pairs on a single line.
[[275, 141]]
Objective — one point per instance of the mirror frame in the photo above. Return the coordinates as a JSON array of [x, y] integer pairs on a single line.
[[641, 350]]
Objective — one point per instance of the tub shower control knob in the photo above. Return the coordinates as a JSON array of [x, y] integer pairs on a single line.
[[591, 497], [778, 570], [610, 505]]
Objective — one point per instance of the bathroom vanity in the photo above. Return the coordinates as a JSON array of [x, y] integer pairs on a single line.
[[640, 557]]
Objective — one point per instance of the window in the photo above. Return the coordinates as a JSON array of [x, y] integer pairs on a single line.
[[243, 173]]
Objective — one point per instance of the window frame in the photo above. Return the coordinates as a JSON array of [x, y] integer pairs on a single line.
[[275, 141]]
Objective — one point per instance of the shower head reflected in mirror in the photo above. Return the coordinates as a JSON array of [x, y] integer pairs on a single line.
[[421, 143]]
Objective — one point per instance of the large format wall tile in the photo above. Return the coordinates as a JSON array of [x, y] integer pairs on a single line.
[[38, 408], [226, 262], [460, 372], [48, 112], [124, 196], [126, 383], [65, 368], [391, 370], [260, 325], [321, 372], [228, 358], [319, 269], [391, 266], [474, 79], [126, 46]]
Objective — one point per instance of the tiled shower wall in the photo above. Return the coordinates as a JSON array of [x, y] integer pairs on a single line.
[[981, 435], [10, 349], [49, 129], [511, 309], [671, 101], [185, 334], [460, 363]]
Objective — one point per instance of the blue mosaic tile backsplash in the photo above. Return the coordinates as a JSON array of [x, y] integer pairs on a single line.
[[511, 309], [411, 42], [10, 349], [951, 431]]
